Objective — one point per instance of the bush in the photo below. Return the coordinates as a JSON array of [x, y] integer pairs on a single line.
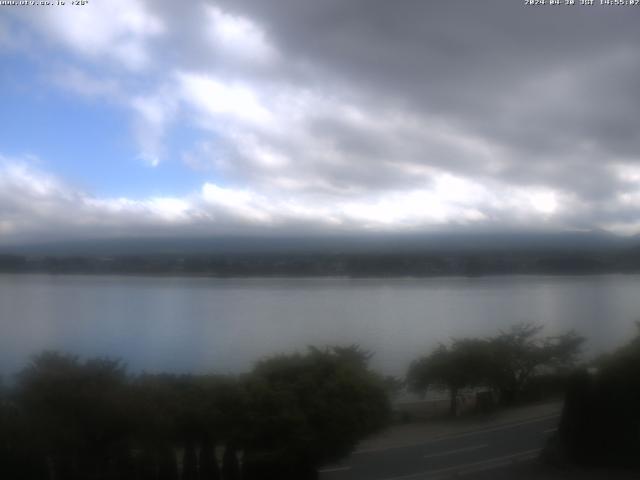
[[600, 422]]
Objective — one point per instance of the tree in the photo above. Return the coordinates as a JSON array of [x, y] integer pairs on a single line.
[[308, 409], [155, 408], [520, 353], [209, 469], [189, 412], [77, 411], [230, 466], [506, 362], [20, 455], [600, 420], [465, 363]]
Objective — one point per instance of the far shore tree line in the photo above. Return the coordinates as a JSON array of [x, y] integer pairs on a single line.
[[65, 418], [418, 263]]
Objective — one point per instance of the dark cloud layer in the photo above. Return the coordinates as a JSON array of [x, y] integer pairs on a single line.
[[556, 88], [546, 83]]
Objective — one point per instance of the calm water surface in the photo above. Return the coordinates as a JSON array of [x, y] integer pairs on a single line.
[[224, 325]]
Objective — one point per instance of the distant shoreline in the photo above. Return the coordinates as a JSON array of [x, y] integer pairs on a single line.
[[313, 277], [383, 263]]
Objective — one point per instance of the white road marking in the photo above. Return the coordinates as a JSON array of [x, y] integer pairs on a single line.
[[505, 426], [468, 468], [459, 450], [336, 469]]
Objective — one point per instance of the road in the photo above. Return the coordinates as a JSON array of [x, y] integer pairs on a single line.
[[454, 455]]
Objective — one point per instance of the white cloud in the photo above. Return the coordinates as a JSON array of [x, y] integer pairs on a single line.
[[237, 203], [214, 99], [36, 204], [20, 176], [239, 35], [115, 29], [545, 201], [169, 210], [627, 172], [33, 202]]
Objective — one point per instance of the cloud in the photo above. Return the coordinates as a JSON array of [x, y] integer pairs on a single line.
[[369, 115], [213, 98], [118, 30], [36, 204], [239, 35]]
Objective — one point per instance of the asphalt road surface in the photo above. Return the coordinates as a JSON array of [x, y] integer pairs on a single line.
[[449, 456]]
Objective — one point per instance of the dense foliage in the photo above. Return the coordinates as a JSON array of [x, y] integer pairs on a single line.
[[310, 409], [505, 363], [72, 419], [600, 422]]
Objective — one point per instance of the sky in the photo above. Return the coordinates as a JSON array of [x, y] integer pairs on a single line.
[[125, 118]]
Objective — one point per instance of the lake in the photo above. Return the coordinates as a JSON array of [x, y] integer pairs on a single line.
[[224, 325]]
